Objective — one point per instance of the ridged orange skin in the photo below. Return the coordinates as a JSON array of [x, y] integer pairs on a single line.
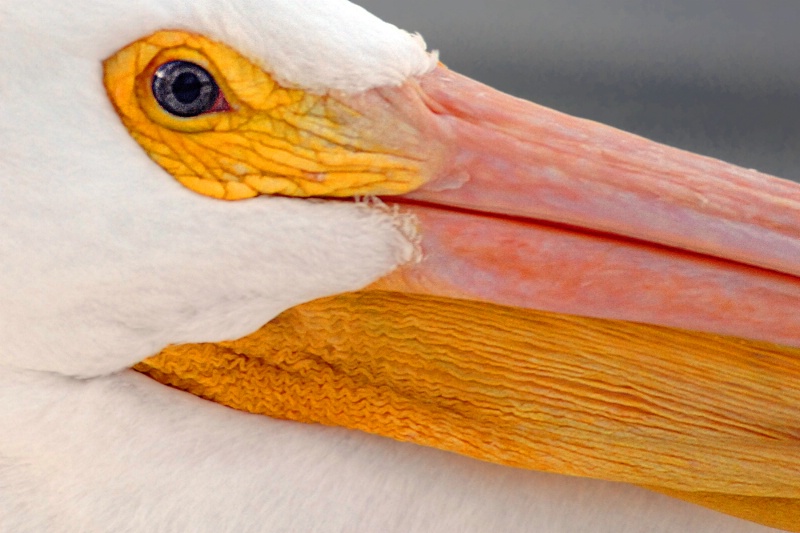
[[705, 418]]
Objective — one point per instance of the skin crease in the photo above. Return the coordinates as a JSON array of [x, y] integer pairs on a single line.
[[120, 453]]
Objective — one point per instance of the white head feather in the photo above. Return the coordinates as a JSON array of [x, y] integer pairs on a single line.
[[106, 258]]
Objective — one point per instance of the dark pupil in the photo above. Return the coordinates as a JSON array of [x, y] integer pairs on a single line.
[[186, 87]]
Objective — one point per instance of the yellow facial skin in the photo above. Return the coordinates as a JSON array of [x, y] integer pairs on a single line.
[[530, 389], [266, 139]]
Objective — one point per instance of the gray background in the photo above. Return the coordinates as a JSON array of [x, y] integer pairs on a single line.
[[719, 77]]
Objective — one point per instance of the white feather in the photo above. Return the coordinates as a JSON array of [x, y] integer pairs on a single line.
[[319, 45], [106, 258]]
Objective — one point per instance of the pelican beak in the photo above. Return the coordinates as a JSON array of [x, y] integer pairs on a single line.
[[535, 209], [581, 305]]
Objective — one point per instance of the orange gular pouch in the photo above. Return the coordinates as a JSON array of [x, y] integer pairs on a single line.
[[701, 417]]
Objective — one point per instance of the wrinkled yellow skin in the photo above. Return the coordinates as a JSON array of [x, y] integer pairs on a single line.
[[705, 418], [270, 140]]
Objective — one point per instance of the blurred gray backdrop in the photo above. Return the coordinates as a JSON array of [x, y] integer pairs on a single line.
[[719, 77]]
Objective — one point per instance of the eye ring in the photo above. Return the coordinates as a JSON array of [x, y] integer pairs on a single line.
[[184, 89]]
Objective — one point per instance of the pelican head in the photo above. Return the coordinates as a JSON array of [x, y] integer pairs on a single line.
[[122, 269], [182, 173]]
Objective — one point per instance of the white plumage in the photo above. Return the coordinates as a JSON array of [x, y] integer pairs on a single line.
[[127, 261], [105, 259]]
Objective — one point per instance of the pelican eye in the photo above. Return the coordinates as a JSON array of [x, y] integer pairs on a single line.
[[224, 127], [184, 89]]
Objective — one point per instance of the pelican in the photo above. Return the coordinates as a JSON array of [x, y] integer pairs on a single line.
[[534, 290]]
